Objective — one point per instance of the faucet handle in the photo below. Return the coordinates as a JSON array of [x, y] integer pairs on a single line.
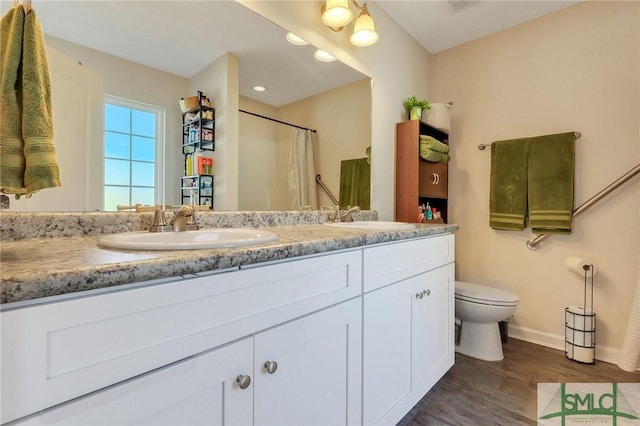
[[121, 207]]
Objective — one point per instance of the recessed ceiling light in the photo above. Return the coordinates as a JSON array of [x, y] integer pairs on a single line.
[[323, 56], [294, 39], [259, 88]]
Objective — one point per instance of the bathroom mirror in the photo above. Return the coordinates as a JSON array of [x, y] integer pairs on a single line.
[[180, 38]]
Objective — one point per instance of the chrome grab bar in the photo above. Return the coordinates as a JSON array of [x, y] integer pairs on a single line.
[[532, 243], [326, 190]]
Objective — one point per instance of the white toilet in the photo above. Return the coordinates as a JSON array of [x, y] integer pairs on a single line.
[[479, 309]]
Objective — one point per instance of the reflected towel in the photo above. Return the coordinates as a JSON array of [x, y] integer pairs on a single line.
[[434, 156], [28, 161], [355, 183], [508, 184], [433, 144], [551, 176]]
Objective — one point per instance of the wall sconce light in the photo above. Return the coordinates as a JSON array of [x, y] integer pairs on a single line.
[[336, 14]]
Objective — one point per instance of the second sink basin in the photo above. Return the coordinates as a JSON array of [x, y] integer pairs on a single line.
[[187, 240], [373, 224]]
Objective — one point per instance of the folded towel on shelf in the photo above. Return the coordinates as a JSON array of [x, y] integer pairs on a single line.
[[355, 183], [28, 159], [551, 177], [508, 184], [434, 156], [433, 144]]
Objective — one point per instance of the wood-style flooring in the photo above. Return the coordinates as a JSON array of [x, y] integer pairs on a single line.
[[479, 393]]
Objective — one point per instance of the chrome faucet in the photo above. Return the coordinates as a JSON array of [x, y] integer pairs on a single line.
[[184, 219], [346, 216]]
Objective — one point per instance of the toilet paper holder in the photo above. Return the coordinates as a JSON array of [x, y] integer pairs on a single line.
[[580, 325]]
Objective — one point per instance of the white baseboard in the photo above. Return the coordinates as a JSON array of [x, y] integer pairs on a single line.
[[554, 341]]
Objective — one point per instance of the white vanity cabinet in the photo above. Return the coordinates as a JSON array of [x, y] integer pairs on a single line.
[[408, 325], [307, 372], [346, 338], [53, 353], [201, 390]]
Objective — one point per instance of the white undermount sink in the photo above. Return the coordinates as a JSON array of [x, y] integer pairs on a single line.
[[373, 224], [187, 240]]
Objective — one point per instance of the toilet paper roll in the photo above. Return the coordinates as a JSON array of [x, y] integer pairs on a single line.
[[577, 264], [577, 353]]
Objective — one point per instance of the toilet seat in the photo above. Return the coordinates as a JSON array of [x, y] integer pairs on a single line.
[[476, 293]]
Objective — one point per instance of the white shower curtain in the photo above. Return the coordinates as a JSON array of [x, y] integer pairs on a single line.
[[630, 357], [302, 170]]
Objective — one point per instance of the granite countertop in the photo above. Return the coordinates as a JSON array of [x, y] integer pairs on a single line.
[[35, 268]]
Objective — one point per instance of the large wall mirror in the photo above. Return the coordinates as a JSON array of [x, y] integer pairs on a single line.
[[154, 53]]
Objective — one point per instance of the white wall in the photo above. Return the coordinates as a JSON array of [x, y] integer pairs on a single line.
[[397, 64], [577, 69]]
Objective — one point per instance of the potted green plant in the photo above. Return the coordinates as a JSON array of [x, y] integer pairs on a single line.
[[415, 107]]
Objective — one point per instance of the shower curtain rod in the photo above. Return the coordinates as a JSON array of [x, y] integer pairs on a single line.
[[277, 121]]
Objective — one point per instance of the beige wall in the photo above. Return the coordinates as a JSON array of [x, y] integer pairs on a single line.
[[577, 69], [342, 119], [220, 82], [127, 80], [397, 64]]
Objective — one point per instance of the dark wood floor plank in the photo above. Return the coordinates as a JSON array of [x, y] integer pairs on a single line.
[[504, 393]]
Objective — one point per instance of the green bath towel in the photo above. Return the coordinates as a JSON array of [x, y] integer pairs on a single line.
[[433, 144], [508, 184], [27, 154], [434, 156], [551, 176], [355, 183]]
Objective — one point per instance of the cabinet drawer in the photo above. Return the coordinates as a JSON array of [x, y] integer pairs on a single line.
[[433, 179], [389, 263], [56, 352]]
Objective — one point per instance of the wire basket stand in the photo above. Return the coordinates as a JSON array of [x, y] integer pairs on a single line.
[[580, 325]]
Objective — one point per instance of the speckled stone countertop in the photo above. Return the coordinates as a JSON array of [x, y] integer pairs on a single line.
[[62, 260]]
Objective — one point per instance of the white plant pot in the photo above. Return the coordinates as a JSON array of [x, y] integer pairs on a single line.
[[439, 116]]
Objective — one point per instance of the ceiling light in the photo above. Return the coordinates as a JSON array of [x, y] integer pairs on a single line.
[[323, 56], [336, 14], [259, 88], [294, 39], [364, 32]]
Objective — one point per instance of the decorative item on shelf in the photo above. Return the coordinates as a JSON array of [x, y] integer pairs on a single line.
[[336, 14], [415, 107], [187, 104], [439, 116]]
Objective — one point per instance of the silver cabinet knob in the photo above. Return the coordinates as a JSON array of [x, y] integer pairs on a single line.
[[435, 178], [243, 381], [419, 295], [271, 366], [427, 292]]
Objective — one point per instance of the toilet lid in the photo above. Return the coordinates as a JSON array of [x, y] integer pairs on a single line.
[[482, 294]]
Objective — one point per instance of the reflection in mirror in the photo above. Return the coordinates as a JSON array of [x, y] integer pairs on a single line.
[[156, 52]]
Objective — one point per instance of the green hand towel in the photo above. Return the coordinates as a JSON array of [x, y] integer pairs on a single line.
[[355, 183], [508, 184], [26, 143], [11, 146], [551, 177], [434, 156], [433, 144]]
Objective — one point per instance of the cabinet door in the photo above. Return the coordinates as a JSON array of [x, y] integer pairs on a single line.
[[318, 377], [202, 390], [433, 180], [408, 343]]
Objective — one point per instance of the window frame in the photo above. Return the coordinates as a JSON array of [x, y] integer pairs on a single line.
[[159, 112]]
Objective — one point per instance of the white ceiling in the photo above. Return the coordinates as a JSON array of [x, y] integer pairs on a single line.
[[182, 37], [439, 24]]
